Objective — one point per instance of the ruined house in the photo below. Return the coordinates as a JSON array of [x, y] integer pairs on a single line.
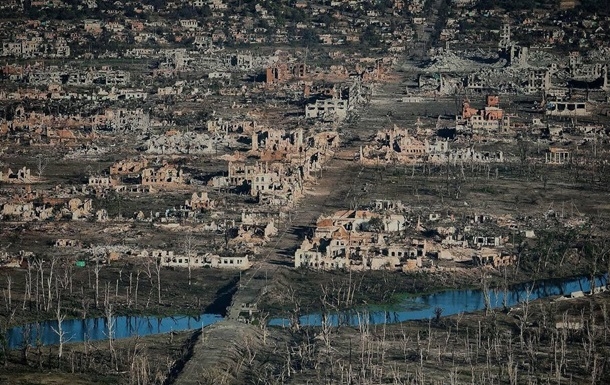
[[166, 176], [101, 215], [493, 258], [174, 142], [399, 146], [128, 166], [199, 202], [23, 175], [346, 240], [122, 119], [228, 126], [63, 242], [79, 209], [567, 109], [539, 81], [99, 181], [276, 179], [254, 234], [485, 241], [556, 155], [170, 259], [490, 118], [283, 72], [327, 109]]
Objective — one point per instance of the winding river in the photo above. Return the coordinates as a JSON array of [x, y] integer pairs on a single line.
[[410, 308], [450, 302], [95, 329]]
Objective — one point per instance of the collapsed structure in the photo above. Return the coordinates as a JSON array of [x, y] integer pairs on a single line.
[[398, 146]]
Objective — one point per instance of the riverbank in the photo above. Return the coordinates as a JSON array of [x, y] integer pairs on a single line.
[[523, 345], [128, 288], [477, 346], [134, 360], [337, 290], [450, 302]]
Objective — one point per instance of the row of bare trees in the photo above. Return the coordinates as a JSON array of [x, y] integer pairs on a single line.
[[38, 288], [537, 342]]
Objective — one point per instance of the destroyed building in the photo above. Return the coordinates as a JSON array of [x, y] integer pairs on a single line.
[[556, 155], [165, 176], [344, 240], [169, 258], [490, 118], [199, 202], [491, 257], [283, 72], [567, 109], [398, 146], [327, 109], [263, 178], [127, 120], [174, 142], [23, 175], [128, 166]]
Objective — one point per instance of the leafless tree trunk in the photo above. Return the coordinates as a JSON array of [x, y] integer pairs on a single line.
[[137, 286], [41, 164], [4, 342], [9, 284], [50, 285], [139, 371], [485, 291], [26, 333], [39, 283], [110, 324], [28, 285], [59, 331], [129, 290], [85, 302], [158, 272], [187, 246], [524, 317], [96, 270]]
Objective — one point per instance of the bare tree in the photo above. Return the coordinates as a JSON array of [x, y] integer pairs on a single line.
[[40, 286], [4, 341], [110, 326], [28, 285], [140, 371], [26, 333], [135, 299], [41, 164], [485, 292], [96, 270], [523, 319], [49, 285], [188, 247], [9, 283], [59, 330], [157, 266]]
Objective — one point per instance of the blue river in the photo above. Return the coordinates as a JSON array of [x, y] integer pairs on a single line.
[[450, 302], [411, 308], [95, 329]]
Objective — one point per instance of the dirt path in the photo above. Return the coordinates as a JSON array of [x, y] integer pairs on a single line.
[[334, 185], [217, 351]]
